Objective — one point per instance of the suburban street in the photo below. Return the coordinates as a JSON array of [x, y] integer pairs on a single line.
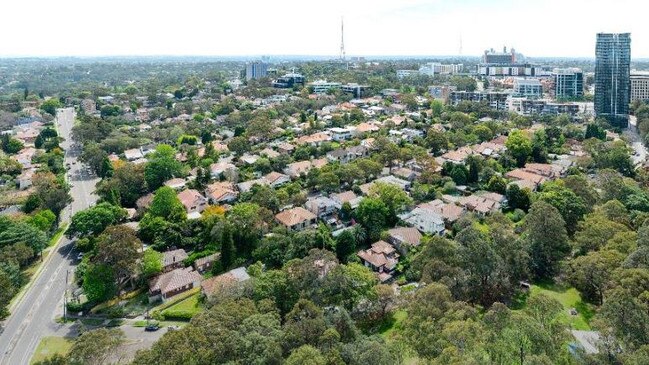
[[640, 150], [33, 317]]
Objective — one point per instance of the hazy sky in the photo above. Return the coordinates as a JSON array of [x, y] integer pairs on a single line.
[[293, 27]]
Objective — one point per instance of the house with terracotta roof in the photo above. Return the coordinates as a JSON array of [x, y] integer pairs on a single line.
[[224, 282], [382, 257], [193, 201], [221, 192], [529, 179], [168, 284], [177, 184], [404, 237], [205, 263], [315, 139], [296, 219], [173, 259], [345, 197]]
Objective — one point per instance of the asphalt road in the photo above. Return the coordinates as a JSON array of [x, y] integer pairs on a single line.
[[640, 151], [32, 318]]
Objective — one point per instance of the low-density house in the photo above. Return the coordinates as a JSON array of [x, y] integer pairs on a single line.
[[405, 173], [341, 134], [225, 281], [529, 179], [482, 204], [177, 184], [193, 201], [223, 168], [285, 147], [321, 206], [205, 263], [173, 259], [249, 159], [456, 156], [448, 211], [24, 180], [165, 286], [133, 154], [363, 128], [393, 180], [296, 219], [269, 153], [346, 155], [404, 237], [425, 219], [345, 197], [221, 192], [315, 139], [273, 179], [382, 257]]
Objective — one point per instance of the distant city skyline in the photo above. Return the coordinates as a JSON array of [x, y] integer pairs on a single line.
[[542, 28]]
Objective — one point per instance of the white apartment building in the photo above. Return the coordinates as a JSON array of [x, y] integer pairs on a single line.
[[639, 85]]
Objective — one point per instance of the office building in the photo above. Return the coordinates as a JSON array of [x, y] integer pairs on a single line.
[[510, 70], [323, 86], [288, 81], [639, 85], [491, 56], [529, 88], [436, 68], [495, 100], [256, 70], [568, 83], [406, 73], [612, 77]]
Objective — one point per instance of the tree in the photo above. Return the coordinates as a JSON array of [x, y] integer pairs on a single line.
[[436, 140], [126, 182], [571, 206], [239, 145], [373, 214], [119, 248], [51, 193], [22, 232], [518, 198], [12, 146], [162, 166], [7, 291], [151, 263], [94, 220], [497, 184], [395, 199], [95, 346], [99, 283], [306, 355], [43, 220], [520, 146], [304, 325], [547, 239], [345, 245], [591, 273], [228, 253], [167, 205], [50, 105]]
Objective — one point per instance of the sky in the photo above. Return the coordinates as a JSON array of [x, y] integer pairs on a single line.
[[536, 28]]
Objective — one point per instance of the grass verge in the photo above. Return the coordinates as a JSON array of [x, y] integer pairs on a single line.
[[50, 346]]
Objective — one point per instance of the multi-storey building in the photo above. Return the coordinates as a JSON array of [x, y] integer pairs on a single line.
[[530, 88], [436, 68], [256, 70], [496, 100], [612, 77], [568, 83], [640, 86]]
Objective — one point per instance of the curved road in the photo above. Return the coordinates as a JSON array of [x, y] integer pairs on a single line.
[[33, 317]]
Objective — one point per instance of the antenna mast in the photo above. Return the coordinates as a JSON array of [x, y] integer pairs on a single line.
[[342, 39]]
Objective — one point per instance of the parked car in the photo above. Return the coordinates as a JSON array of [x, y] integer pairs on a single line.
[[152, 327]]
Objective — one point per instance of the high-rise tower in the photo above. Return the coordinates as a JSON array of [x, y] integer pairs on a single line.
[[342, 39], [612, 77]]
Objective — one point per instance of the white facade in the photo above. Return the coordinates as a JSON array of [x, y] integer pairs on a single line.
[[436, 68]]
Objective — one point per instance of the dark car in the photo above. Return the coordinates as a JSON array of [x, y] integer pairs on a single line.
[[152, 327]]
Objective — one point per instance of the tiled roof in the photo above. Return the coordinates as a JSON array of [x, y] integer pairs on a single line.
[[406, 234], [291, 217], [173, 280], [170, 257]]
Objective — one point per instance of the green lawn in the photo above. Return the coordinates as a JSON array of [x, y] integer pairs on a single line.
[[569, 298], [184, 308], [50, 346], [392, 324]]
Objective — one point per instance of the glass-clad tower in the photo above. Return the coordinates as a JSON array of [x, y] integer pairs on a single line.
[[612, 77]]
